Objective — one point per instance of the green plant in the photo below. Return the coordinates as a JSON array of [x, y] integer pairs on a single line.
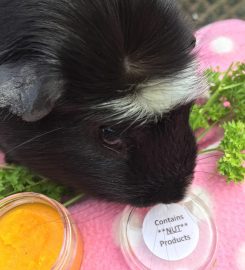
[[14, 179], [225, 108]]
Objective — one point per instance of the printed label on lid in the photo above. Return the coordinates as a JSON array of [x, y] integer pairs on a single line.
[[170, 231]]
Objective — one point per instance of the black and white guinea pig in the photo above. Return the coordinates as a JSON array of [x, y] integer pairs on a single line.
[[96, 94]]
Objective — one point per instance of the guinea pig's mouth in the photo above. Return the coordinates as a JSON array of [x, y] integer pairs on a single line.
[[151, 201], [172, 196]]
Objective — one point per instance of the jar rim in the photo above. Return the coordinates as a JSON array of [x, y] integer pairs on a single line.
[[15, 200]]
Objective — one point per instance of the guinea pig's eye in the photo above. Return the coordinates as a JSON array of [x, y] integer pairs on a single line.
[[110, 137], [193, 43]]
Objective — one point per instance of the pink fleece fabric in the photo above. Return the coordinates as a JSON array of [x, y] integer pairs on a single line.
[[219, 44]]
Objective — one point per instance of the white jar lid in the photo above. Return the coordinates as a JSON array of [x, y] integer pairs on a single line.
[[175, 236]]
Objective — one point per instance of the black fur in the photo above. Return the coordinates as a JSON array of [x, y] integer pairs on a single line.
[[99, 50]]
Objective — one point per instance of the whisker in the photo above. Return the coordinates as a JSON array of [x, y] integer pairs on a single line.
[[114, 150], [214, 174], [210, 156], [210, 176], [208, 162], [103, 212], [31, 140]]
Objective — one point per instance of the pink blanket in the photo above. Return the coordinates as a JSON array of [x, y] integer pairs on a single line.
[[220, 44]]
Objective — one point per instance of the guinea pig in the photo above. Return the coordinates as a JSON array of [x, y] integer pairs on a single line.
[[96, 95]]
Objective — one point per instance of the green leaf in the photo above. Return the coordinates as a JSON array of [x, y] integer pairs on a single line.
[[14, 179], [227, 86], [232, 163]]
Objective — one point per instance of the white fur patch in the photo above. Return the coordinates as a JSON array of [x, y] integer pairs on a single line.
[[157, 97]]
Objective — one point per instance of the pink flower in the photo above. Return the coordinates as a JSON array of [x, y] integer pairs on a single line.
[[227, 104]]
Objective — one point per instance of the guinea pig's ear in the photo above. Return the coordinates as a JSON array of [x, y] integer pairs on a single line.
[[28, 91]]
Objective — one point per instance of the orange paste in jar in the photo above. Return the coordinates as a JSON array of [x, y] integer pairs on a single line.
[[31, 237]]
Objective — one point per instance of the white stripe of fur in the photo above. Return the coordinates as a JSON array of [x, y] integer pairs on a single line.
[[159, 96]]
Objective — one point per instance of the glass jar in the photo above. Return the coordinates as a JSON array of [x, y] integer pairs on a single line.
[[71, 253], [179, 236]]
